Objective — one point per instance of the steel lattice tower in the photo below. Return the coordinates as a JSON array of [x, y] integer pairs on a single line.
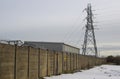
[[89, 45]]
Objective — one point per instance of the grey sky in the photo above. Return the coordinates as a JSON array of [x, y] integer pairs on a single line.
[[60, 21]]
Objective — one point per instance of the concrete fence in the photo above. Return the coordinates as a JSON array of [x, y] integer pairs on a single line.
[[18, 62]]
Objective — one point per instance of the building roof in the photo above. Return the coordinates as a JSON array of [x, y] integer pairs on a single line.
[[52, 43]]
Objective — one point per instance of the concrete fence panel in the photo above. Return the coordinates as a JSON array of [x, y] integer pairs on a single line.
[[64, 62], [59, 54], [7, 57], [72, 62], [55, 68], [68, 62], [33, 63], [43, 63], [50, 62], [22, 63]]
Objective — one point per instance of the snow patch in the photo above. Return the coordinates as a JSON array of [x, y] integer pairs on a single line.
[[100, 72]]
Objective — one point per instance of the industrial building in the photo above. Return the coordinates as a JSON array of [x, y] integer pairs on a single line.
[[53, 46]]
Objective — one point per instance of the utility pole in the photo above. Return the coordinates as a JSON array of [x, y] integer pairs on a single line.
[[89, 45]]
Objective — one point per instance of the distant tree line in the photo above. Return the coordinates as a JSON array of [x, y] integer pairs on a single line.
[[112, 59]]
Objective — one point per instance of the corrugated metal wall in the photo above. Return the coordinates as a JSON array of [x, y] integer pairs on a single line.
[[67, 48]]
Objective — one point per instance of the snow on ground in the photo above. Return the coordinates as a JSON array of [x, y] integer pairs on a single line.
[[100, 72]]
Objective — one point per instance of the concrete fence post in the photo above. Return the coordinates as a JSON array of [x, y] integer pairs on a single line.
[[39, 63], [62, 62], [47, 63], [28, 60], [15, 61]]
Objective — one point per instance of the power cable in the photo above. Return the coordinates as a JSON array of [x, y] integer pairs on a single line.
[[68, 37], [69, 33]]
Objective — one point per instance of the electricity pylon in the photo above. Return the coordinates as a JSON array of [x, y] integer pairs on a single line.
[[89, 45]]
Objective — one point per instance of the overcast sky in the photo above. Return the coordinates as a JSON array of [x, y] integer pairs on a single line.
[[61, 21]]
